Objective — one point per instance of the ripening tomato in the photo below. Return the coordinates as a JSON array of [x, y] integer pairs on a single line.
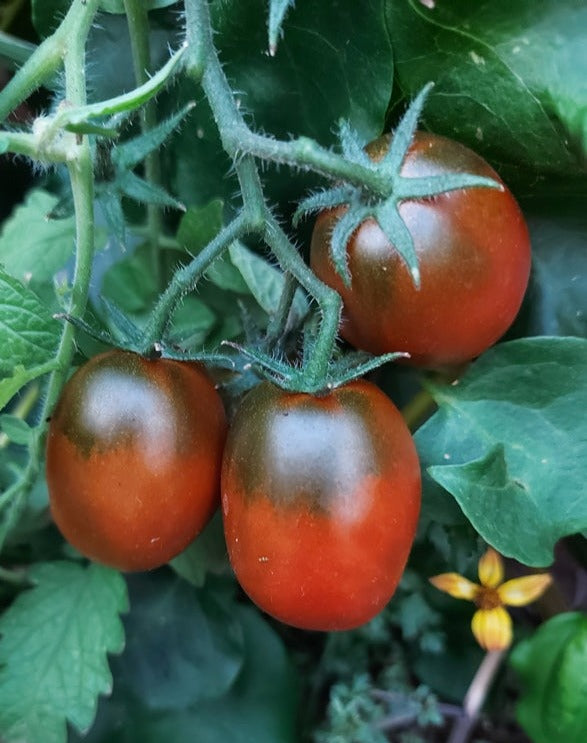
[[133, 458], [320, 499], [474, 255]]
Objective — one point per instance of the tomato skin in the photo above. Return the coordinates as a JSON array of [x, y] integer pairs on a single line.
[[133, 458], [474, 254], [320, 499]]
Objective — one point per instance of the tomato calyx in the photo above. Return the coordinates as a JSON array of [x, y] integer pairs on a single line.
[[130, 338], [382, 205], [341, 371]]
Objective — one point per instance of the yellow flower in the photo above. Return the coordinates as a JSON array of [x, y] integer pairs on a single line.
[[491, 624]]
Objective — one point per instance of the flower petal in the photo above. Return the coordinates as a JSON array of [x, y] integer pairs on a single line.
[[492, 628], [455, 585], [491, 569], [522, 591]]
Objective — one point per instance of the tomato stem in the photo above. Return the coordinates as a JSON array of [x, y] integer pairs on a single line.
[[77, 26], [138, 26]]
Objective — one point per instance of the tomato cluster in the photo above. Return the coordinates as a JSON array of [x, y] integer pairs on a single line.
[[320, 493]]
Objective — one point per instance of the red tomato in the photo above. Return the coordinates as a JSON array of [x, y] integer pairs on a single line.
[[474, 256], [320, 498], [133, 458]]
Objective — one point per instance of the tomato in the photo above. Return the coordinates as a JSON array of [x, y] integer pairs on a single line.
[[474, 255], [133, 458], [320, 499]]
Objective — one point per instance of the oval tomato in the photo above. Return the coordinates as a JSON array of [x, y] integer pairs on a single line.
[[133, 458], [320, 499], [474, 255]]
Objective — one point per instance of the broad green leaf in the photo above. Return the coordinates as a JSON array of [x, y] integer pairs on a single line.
[[55, 638], [509, 442], [260, 706], [200, 640], [333, 78], [509, 77], [331, 64], [552, 667], [265, 282], [28, 333], [557, 296], [199, 225], [32, 247]]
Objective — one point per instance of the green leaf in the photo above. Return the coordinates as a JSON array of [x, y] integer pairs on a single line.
[[145, 192], [191, 323], [53, 651], [265, 282], [341, 69], [17, 430], [557, 296], [199, 225], [205, 554], [20, 376], [198, 638], [32, 247], [509, 81], [129, 154], [260, 706], [28, 333], [509, 442], [130, 283], [552, 666]]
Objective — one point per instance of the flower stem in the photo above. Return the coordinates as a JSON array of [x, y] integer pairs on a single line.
[[476, 696]]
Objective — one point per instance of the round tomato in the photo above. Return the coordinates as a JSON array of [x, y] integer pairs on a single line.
[[320, 499], [474, 255], [133, 458]]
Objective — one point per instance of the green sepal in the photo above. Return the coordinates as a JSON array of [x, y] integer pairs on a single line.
[[277, 11], [403, 135], [341, 234], [326, 199]]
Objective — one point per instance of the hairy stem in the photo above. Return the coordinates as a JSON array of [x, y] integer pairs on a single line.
[[186, 277], [231, 125], [138, 24], [47, 57], [82, 185]]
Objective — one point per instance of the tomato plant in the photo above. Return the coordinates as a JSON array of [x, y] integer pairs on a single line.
[[474, 255], [157, 202], [320, 499], [133, 458]]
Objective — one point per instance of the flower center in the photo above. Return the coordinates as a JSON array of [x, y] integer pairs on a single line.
[[488, 598]]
